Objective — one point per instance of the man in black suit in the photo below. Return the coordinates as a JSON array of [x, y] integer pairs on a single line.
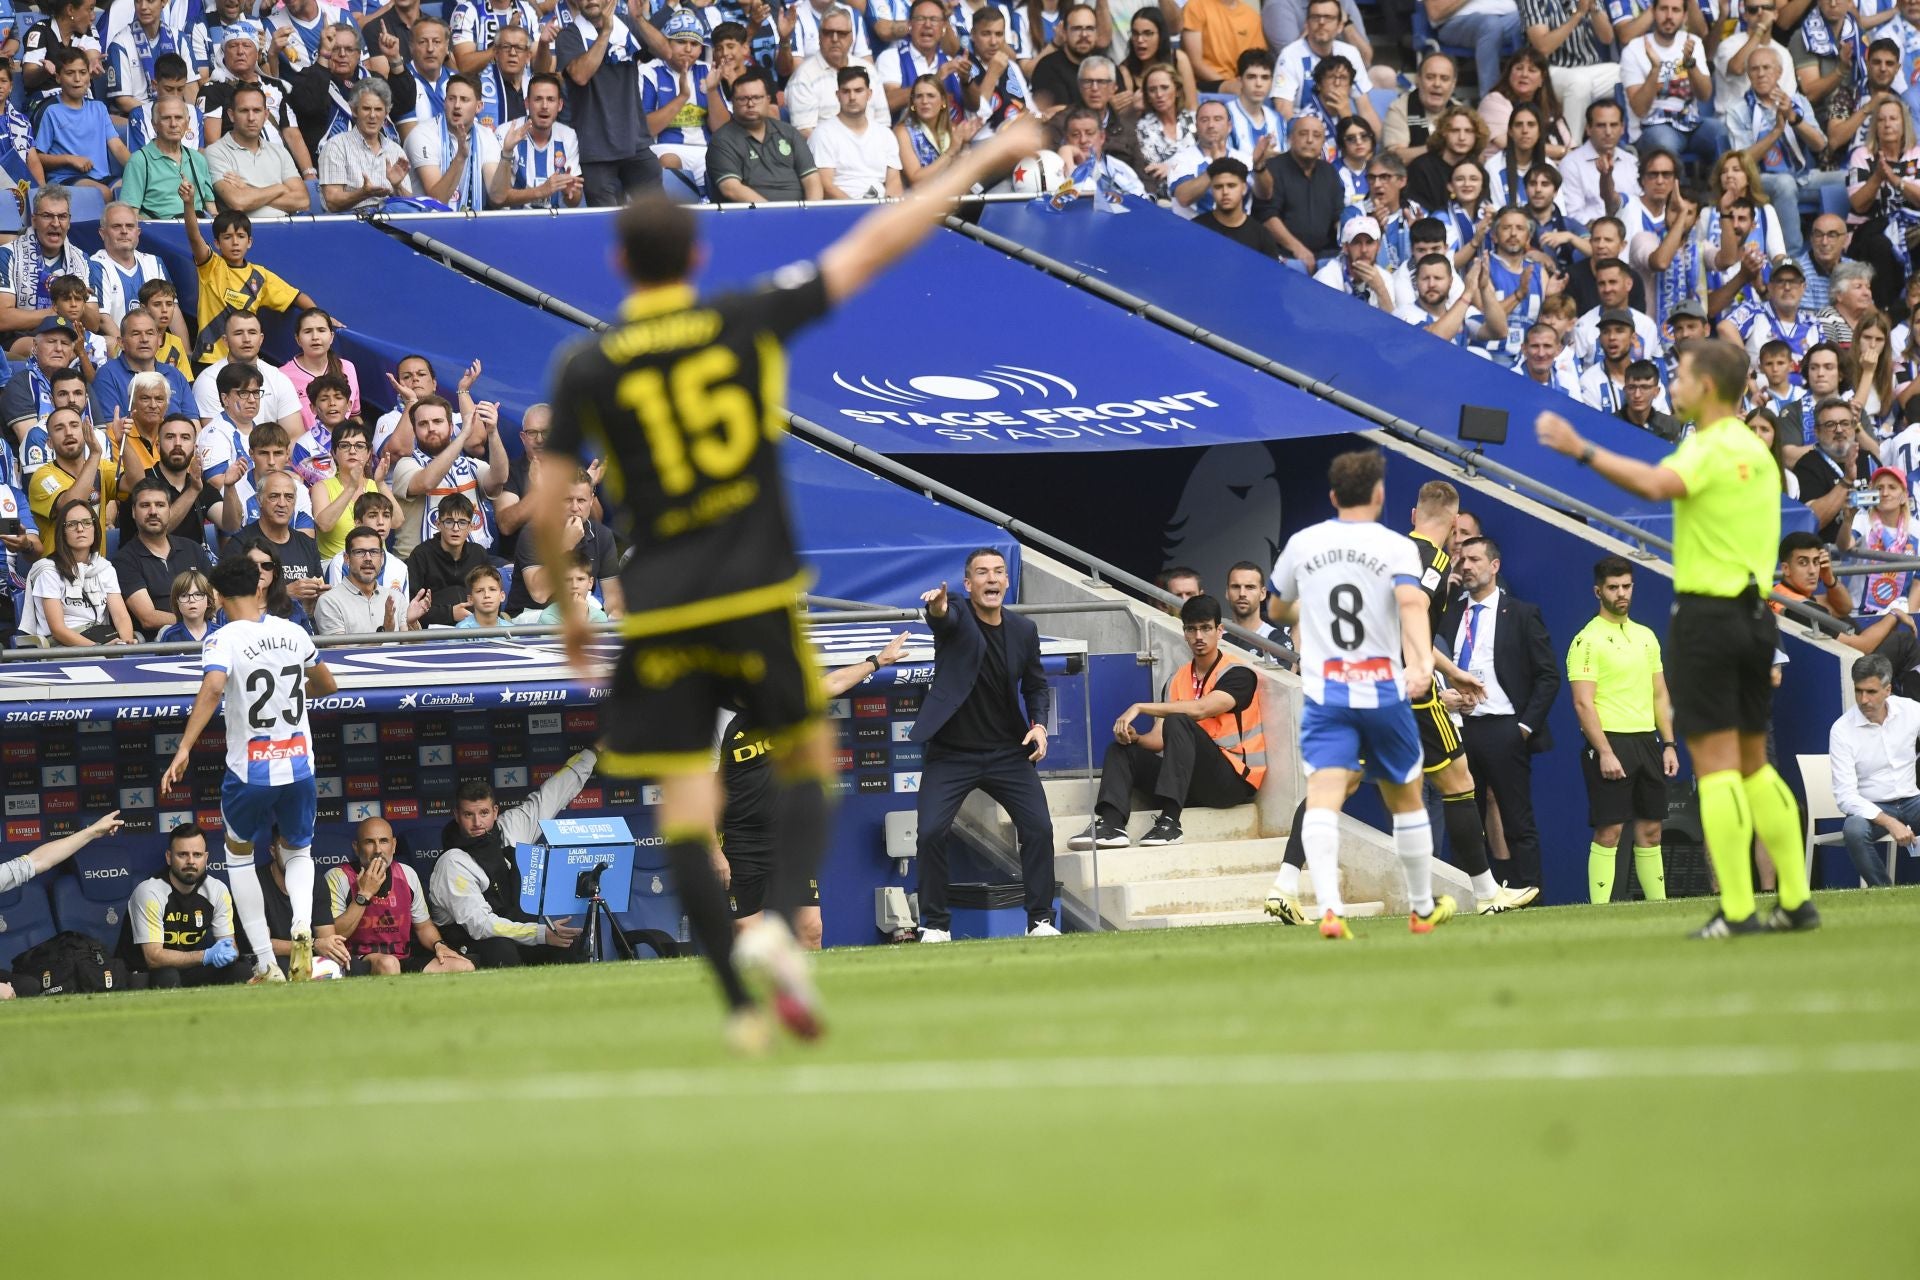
[[1503, 641], [977, 737]]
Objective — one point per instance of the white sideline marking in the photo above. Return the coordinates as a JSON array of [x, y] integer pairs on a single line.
[[1011, 1074]]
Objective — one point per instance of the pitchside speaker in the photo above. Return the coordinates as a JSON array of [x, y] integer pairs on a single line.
[[1482, 425]]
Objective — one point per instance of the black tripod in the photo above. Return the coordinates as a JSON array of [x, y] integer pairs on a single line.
[[598, 913]]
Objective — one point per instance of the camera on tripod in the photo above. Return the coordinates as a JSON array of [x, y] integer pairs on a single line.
[[587, 883]]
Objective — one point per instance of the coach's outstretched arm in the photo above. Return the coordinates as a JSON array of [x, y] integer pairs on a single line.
[[886, 235]]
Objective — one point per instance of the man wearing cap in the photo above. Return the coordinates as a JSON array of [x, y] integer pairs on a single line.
[[1227, 190], [33, 394], [1613, 281], [1189, 180], [1356, 270], [1781, 318], [1686, 321], [673, 95], [1604, 383], [812, 88]]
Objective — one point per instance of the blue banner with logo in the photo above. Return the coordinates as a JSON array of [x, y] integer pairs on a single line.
[[958, 349]]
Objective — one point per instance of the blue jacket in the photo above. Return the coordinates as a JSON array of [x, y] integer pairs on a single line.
[[959, 647]]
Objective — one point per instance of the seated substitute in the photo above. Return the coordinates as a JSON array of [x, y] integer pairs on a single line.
[[1208, 749], [1871, 751], [179, 925], [379, 911], [474, 895], [747, 824]]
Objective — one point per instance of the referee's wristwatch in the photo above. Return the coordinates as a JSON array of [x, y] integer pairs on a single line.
[[878, 665], [362, 900]]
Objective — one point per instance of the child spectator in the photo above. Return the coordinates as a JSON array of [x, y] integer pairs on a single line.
[[166, 174], [190, 602], [313, 451], [70, 296], [485, 595], [75, 135], [162, 300], [228, 282], [578, 587], [313, 333], [375, 511], [1783, 389], [441, 563]]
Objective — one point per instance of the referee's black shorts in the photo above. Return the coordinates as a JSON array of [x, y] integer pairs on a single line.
[[667, 687], [1719, 663], [1640, 796], [1440, 743]]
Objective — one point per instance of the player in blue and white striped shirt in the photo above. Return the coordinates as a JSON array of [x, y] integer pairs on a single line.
[[1351, 590], [273, 669]]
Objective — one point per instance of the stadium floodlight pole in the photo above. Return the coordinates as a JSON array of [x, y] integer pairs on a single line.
[[1472, 459]]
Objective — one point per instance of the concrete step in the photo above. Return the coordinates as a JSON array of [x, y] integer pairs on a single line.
[[1186, 860], [1070, 803], [1191, 894], [1197, 919]]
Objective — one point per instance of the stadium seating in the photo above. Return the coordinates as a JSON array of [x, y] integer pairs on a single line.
[[26, 920]]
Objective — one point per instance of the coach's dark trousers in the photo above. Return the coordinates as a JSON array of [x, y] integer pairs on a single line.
[[1502, 764], [1188, 770], [1011, 781], [610, 183]]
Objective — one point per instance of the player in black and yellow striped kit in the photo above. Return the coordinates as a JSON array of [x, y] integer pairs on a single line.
[[685, 401]]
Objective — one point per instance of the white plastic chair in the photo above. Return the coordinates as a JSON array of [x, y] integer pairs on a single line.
[[1816, 775]]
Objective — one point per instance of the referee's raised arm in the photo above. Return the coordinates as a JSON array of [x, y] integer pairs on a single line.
[[888, 234]]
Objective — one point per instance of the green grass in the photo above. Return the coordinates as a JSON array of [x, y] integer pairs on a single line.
[[1562, 1092]]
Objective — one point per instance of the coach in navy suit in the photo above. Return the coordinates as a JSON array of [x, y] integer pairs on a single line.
[[978, 736]]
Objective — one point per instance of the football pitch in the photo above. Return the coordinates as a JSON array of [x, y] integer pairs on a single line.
[[1576, 1091]]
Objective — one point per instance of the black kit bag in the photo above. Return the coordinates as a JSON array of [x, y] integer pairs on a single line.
[[67, 964]]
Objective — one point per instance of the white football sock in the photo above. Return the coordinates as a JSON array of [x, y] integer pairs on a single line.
[[298, 864], [1288, 881], [1320, 836], [1484, 885], [251, 906], [1413, 841]]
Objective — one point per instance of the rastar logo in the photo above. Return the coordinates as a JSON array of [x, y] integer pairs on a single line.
[[273, 749], [997, 404]]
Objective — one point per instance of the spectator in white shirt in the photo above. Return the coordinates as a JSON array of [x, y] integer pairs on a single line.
[[1871, 752], [454, 156], [1599, 175], [857, 158], [1665, 75], [811, 90], [1730, 82], [279, 402], [1354, 271]]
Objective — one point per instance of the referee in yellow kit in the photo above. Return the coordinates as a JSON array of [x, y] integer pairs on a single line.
[[1620, 696], [1725, 490]]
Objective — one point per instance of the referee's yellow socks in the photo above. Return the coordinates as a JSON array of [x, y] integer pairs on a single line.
[[1776, 820], [1728, 824], [1599, 873], [1651, 872]]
